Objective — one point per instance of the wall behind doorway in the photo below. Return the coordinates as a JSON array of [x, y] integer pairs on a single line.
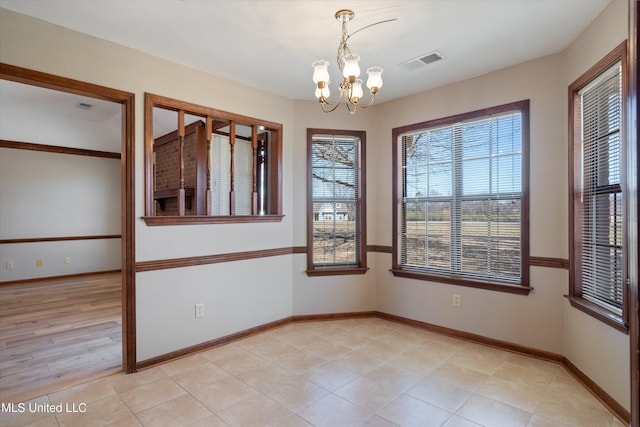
[[47, 197]]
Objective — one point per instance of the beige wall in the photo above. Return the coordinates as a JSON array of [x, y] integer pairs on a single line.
[[328, 294], [526, 320], [240, 295]]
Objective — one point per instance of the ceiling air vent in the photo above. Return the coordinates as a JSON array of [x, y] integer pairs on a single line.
[[84, 106], [422, 60]]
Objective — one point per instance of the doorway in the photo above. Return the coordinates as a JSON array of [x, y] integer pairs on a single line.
[[127, 237]]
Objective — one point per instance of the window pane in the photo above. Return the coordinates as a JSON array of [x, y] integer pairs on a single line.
[[462, 190], [439, 235], [477, 176], [335, 186], [601, 243], [334, 234]]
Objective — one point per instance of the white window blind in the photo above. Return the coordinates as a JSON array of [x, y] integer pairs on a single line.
[[243, 176], [462, 199], [220, 175], [601, 258], [335, 187]]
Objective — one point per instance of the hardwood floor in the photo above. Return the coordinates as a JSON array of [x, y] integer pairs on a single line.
[[57, 333]]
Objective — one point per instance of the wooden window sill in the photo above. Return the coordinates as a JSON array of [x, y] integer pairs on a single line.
[[201, 219], [600, 313], [337, 271], [491, 286]]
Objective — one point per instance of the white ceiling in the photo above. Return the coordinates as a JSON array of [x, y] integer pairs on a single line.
[[271, 44]]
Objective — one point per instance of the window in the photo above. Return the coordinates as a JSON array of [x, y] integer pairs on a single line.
[[461, 192], [336, 227], [598, 253], [207, 166]]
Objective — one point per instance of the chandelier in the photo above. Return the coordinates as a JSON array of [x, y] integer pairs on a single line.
[[351, 86]]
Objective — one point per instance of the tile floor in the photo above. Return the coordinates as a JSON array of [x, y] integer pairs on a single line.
[[355, 372]]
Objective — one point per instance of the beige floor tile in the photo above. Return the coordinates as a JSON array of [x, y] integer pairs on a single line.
[[327, 349], [456, 421], [100, 412], [572, 412], [539, 421], [85, 393], [568, 387], [460, 376], [203, 374], [408, 411], [400, 338], [491, 413], [521, 366], [217, 396], [263, 374], [351, 339], [377, 421], [383, 349], [395, 375], [272, 349], [291, 391], [183, 364], [369, 394], [237, 364], [122, 382], [152, 394], [523, 374], [254, 341], [223, 352], [442, 348], [254, 411], [181, 411], [439, 393], [361, 361], [330, 330], [520, 393], [330, 376], [293, 420], [299, 339], [480, 358], [209, 421], [420, 360], [333, 411], [299, 361], [129, 421]]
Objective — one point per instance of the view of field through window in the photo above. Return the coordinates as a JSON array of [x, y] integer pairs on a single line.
[[334, 163], [462, 198]]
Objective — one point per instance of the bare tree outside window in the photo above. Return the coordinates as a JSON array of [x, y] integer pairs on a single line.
[[336, 211], [459, 191]]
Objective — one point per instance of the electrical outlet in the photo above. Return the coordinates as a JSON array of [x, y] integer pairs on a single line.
[[456, 300], [199, 310], [8, 265], [67, 260], [38, 263]]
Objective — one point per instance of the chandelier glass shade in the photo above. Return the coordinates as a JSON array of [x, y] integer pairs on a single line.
[[350, 87]]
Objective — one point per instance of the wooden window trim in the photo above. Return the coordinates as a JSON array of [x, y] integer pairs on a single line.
[[361, 268], [524, 287], [274, 190], [618, 54]]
